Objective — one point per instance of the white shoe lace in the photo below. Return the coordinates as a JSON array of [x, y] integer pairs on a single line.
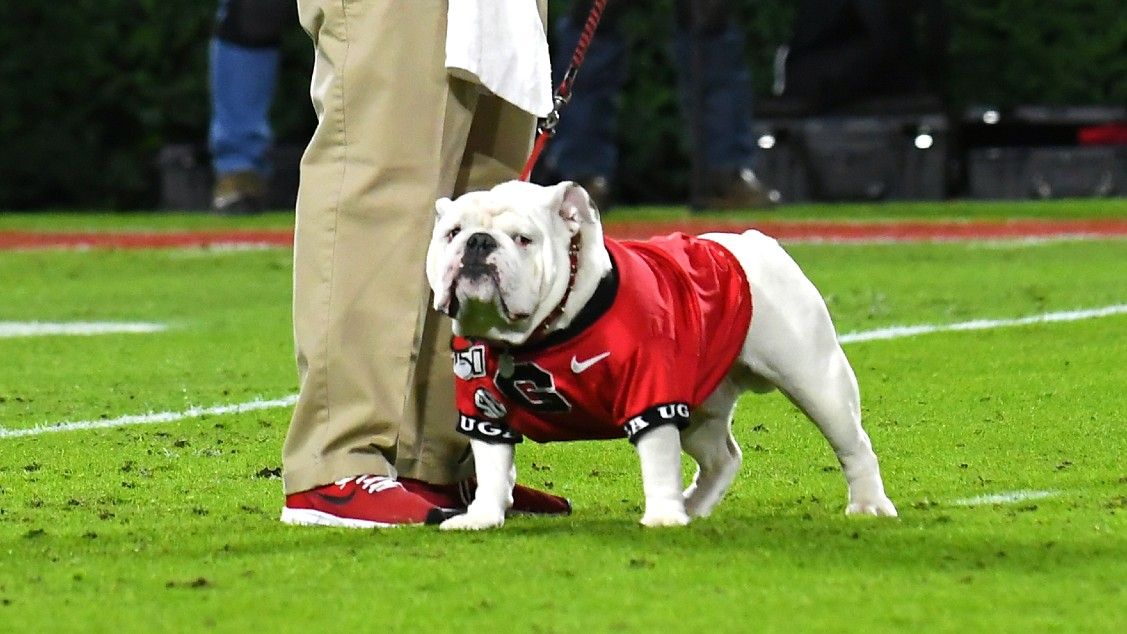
[[371, 483]]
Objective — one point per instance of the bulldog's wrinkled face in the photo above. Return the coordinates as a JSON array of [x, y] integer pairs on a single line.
[[496, 257]]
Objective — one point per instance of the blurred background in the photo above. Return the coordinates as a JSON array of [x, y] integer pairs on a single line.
[[105, 105]]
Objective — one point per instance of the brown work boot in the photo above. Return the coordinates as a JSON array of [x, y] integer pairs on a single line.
[[239, 193], [734, 189]]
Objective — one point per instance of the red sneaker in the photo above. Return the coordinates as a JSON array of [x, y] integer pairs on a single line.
[[364, 501], [526, 501]]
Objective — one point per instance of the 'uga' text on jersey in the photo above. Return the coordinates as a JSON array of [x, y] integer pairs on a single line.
[[660, 333]]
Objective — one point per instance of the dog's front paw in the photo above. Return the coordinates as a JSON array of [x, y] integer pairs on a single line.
[[473, 521], [877, 506], [665, 515]]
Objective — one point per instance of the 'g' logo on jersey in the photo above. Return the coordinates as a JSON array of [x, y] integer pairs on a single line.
[[533, 387], [488, 404], [470, 363]]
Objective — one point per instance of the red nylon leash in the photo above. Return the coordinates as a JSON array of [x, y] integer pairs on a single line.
[[547, 126]]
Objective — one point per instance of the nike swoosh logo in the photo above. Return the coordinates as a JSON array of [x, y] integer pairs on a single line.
[[338, 500], [578, 366]]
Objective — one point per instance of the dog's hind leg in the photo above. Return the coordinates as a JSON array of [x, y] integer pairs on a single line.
[[827, 393], [792, 345], [709, 441]]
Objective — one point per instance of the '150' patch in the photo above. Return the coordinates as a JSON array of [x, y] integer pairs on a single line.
[[470, 363]]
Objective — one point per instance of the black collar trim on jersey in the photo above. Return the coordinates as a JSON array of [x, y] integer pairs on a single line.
[[598, 305]]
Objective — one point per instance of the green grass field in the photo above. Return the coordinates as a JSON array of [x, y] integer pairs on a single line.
[[173, 526]]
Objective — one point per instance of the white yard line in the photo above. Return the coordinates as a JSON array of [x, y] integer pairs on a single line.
[[1009, 497], [893, 332], [156, 417], [79, 328], [1017, 242], [897, 332]]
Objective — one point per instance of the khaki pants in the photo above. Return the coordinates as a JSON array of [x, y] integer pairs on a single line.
[[394, 133]]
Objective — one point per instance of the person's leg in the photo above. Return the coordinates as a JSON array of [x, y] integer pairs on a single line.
[[433, 460], [585, 147], [430, 448], [244, 59], [716, 100], [242, 89], [725, 99], [391, 132]]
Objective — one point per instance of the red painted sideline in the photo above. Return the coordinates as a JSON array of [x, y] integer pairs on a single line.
[[796, 231], [24, 240]]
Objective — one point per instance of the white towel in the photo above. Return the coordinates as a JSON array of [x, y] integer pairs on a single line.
[[501, 45]]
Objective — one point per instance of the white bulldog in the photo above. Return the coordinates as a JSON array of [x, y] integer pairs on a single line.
[[567, 335]]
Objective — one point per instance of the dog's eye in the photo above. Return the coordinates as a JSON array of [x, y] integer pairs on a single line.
[[454, 231], [522, 240]]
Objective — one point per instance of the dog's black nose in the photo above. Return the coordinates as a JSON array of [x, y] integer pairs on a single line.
[[478, 246]]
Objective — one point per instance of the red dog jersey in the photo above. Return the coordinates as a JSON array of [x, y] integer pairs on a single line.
[[657, 338]]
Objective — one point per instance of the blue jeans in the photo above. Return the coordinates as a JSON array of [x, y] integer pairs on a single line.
[[586, 142], [242, 81]]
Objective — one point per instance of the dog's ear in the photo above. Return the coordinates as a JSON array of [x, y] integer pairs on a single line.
[[574, 205], [441, 206]]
